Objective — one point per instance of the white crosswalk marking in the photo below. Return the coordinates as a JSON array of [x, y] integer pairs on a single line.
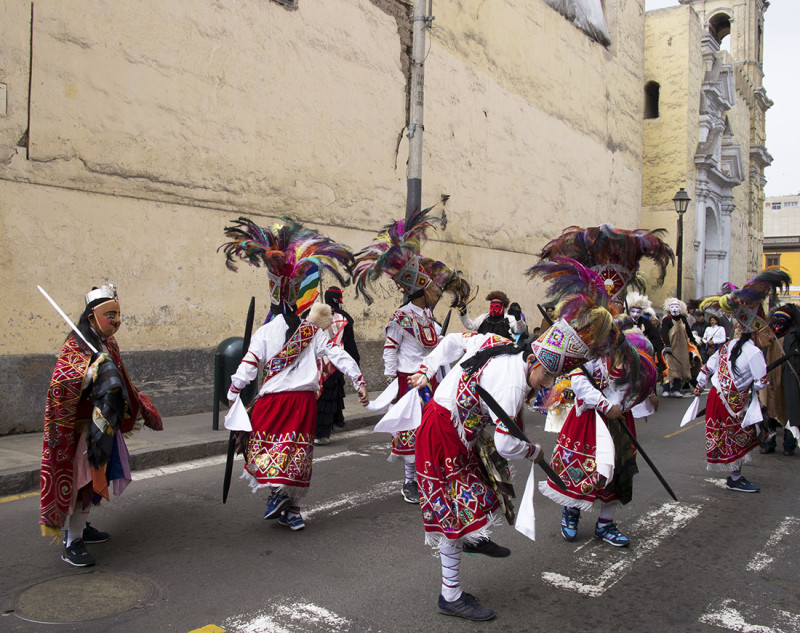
[[600, 566], [733, 616], [291, 617]]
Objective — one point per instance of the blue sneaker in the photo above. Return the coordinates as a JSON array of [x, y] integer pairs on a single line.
[[276, 502], [293, 521], [569, 522], [741, 485], [467, 607], [609, 533]]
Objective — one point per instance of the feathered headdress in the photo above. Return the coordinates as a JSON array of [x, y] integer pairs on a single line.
[[637, 300], [585, 327], [745, 304], [613, 253], [448, 280], [395, 252], [646, 369], [290, 253]]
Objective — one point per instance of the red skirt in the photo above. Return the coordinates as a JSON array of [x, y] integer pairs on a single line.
[[403, 441], [455, 497], [574, 461], [281, 444], [726, 440]]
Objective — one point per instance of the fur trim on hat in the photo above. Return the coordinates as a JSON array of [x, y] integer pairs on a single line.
[[671, 300], [498, 295], [636, 300], [320, 315]]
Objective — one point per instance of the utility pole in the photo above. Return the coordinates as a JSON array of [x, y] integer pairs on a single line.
[[420, 21]]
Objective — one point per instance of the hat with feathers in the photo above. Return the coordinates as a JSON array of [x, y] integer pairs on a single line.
[[290, 253], [396, 253], [614, 254], [745, 304]]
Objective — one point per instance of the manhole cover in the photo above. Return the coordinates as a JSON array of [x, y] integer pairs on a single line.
[[81, 597]]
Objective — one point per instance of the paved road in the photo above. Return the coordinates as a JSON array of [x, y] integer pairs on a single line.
[[181, 561]]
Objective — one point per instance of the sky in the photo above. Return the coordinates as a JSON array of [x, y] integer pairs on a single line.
[[781, 56]]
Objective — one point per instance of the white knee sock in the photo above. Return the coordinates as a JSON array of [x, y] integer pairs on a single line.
[[451, 566], [77, 521], [607, 511], [411, 471], [736, 470]]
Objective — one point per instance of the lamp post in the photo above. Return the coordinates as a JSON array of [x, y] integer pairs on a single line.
[[681, 202]]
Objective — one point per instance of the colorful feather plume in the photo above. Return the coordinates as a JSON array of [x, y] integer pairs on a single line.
[[392, 249], [448, 280], [286, 249], [605, 244]]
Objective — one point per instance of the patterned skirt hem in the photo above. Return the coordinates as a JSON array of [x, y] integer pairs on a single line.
[[436, 539], [565, 500], [730, 466], [295, 492]]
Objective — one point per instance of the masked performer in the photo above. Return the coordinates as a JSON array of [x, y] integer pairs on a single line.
[[639, 307], [91, 403], [677, 337], [737, 371], [280, 448], [614, 254], [458, 497], [330, 402], [496, 321], [785, 323], [411, 332]]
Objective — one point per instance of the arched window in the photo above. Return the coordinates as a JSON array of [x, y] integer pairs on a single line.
[[651, 92], [719, 26]]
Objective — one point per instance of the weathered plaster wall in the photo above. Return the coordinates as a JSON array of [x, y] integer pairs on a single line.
[[153, 125]]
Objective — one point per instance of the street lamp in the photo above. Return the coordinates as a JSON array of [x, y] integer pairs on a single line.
[[681, 202]]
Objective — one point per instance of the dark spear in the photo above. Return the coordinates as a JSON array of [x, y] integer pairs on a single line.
[[248, 332]]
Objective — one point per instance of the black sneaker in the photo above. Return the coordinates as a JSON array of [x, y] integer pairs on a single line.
[[92, 535], [411, 492], [467, 607], [77, 555], [487, 547]]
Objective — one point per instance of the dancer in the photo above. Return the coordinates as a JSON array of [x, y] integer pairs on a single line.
[[677, 337], [280, 449], [412, 332], [496, 320], [91, 404], [737, 371], [785, 324], [459, 499]]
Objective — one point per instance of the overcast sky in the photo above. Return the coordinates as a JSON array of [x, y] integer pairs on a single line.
[[781, 58]]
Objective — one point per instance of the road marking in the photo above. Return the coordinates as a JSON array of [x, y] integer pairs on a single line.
[[685, 428], [208, 628], [719, 483], [291, 617], [351, 500], [18, 497], [603, 566], [761, 561], [733, 616]]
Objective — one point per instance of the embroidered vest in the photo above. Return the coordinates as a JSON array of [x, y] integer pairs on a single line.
[[733, 398], [291, 350], [425, 333], [468, 404]]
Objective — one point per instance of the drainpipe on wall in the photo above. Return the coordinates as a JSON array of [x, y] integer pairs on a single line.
[[420, 21]]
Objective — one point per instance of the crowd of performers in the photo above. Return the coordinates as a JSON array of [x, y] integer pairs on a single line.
[[454, 400]]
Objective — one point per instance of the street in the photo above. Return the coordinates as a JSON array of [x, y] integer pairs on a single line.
[[179, 560]]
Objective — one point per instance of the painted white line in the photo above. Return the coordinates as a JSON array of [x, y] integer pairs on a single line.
[[762, 561], [601, 566], [719, 483], [289, 617], [733, 616], [352, 500]]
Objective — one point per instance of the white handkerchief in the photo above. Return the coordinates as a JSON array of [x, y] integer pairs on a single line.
[[526, 520], [753, 415], [691, 412], [604, 457], [236, 419], [644, 409], [405, 415], [382, 402], [793, 430]]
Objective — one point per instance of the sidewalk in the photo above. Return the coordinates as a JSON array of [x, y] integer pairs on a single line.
[[184, 438]]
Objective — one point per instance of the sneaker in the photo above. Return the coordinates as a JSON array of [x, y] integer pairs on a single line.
[[741, 485], [767, 449], [569, 523], [92, 535], [609, 533], [77, 555], [487, 547], [322, 441], [276, 502], [293, 521], [467, 607], [411, 492]]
